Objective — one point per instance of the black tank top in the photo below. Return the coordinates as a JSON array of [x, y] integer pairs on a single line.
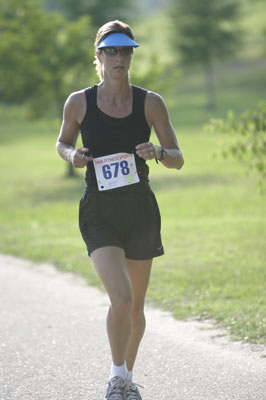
[[104, 135]]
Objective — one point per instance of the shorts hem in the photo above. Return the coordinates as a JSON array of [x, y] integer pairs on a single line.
[[128, 256], [102, 246], [144, 257]]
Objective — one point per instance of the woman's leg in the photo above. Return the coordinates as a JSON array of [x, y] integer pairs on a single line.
[[139, 272], [110, 265]]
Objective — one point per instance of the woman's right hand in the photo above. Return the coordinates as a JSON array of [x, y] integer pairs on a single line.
[[78, 157]]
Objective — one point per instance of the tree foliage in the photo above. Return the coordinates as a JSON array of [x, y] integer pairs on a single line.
[[153, 73], [250, 144], [43, 57], [206, 31], [100, 11]]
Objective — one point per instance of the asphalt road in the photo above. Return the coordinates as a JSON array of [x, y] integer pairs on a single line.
[[53, 345]]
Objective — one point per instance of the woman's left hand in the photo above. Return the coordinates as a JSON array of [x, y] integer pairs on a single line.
[[148, 151]]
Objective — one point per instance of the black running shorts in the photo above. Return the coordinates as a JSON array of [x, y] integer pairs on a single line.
[[129, 220]]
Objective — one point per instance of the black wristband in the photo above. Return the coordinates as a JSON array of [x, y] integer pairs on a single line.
[[163, 154]]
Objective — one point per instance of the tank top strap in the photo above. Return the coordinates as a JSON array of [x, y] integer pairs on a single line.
[[90, 94], [139, 95]]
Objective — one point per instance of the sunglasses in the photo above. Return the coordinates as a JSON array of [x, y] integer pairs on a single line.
[[112, 51]]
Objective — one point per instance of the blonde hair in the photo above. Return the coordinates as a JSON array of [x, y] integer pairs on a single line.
[[105, 30]]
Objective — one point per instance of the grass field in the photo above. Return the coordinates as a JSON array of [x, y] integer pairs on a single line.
[[213, 215], [213, 224]]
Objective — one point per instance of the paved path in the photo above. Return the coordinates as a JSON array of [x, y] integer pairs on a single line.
[[53, 346]]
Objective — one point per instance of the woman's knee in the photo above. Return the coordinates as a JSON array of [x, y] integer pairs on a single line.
[[138, 316], [122, 304]]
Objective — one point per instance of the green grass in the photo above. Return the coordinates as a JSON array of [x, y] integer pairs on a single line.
[[240, 84], [213, 224]]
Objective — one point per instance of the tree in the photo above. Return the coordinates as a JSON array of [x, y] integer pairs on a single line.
[[43, 57], [206, 31], [100, 11], [250, 131]]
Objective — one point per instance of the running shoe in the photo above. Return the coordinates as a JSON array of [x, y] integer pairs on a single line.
[[132, 391], [116, 389]]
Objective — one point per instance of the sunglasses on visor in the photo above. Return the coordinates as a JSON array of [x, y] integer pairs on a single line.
[[112, 51]]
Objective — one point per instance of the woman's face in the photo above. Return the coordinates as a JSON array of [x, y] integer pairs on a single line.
[[115, 61]]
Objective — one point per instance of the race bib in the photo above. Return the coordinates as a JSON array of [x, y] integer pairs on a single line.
[[115, 170]]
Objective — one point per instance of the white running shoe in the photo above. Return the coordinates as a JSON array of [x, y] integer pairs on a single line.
[[116, 389], [132, 391]]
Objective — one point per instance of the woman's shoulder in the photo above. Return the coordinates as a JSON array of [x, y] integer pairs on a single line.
[[154, 101], [76, 101], [154, 97], [75, 105], [77, 98], [155, 107]]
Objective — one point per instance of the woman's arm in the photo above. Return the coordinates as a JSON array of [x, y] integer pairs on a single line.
[[157, 117], [69, 132]]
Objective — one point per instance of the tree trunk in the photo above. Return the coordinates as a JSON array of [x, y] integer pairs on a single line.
[[70, 171], [210, 86]]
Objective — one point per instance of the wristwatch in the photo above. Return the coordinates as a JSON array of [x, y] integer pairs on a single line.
[[163, 154]]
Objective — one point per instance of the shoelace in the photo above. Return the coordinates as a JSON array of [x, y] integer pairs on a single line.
[[117, 388], [132, 391]]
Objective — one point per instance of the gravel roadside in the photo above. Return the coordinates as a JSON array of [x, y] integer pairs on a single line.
[[53, 345]]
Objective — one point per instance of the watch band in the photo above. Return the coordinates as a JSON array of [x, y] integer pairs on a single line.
[[163, 154]]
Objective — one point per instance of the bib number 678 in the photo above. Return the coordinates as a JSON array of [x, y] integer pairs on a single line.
[[112, 170]]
